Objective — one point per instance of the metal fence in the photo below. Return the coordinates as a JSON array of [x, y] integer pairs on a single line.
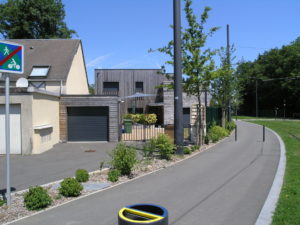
[[139, 132]]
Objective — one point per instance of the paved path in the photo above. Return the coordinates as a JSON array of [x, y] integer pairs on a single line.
[[55, 164], [224, 186]]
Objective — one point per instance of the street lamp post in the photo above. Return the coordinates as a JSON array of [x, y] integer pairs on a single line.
[[178, 113]]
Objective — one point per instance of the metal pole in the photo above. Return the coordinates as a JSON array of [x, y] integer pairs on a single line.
[[228, 61], [7, 140], [178, 113], [256, 97], [235, 132], [264, 133]]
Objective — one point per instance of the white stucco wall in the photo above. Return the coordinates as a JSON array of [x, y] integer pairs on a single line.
[[77, 79]]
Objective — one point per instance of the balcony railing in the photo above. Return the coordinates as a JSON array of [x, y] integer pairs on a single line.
[[110, 92]]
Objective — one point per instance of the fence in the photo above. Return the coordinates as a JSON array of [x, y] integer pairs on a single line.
[[142, 132], [213, 116]]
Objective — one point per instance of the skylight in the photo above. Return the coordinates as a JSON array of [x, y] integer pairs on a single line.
[[39, 71]]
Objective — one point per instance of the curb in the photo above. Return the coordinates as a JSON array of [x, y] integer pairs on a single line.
[[266, 213]]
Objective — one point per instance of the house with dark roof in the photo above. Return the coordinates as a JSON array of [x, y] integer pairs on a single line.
[[56, 106]]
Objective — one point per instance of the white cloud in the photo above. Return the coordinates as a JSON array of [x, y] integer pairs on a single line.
[[97, 61]]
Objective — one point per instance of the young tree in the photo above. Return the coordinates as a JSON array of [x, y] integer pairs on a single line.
[[33, 19], [224, 88], [197, 60]]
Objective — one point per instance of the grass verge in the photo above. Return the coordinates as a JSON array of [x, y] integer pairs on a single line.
[[288, 208]]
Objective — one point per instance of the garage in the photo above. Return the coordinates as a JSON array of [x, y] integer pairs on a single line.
[[87, 123], [15, 129]]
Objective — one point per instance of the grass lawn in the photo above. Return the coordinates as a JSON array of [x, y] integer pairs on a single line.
[[288, 208], [251, 117]]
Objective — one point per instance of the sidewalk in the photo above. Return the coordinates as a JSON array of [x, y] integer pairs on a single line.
[[226, 185]]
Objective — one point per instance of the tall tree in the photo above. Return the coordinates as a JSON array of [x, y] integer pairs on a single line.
[[197, 60], [33, 19], [278, 75]]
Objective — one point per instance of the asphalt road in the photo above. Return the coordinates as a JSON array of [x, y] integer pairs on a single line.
[[58, 163], [226, 185]]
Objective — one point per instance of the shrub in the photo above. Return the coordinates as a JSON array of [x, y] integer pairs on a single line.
[[123, 158], [215, 133], [187, 150], [37, 198], [82, 175], [206, 140], [194, 148], [135, 118], [70, 187], [142, 118], [101, 165], [113, 175], [230, 126], [127, 116], [151, 118], [2, 202], [165, 146], [149, 148]]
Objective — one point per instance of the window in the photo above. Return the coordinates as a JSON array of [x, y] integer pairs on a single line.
[[139, 87], [111, 88], [39, 71], [137, 110]]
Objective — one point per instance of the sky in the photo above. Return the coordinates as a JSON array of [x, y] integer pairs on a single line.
[[117, 34]]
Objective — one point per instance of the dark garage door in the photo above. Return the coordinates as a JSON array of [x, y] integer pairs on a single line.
[[87, 123]]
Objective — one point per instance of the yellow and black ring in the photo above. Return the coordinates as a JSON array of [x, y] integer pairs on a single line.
[[143, 214]]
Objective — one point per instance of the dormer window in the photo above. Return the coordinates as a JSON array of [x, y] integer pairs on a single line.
[[39, 71]]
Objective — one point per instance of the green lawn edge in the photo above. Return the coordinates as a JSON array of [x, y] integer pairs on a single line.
[[288, 207]]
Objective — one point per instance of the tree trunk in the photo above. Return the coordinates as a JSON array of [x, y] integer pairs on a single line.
[[223, 117], [199, 127]]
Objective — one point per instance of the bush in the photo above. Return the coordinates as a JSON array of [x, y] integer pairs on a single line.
[[2, 202], [206, 140], [165, 146], [230, 126], [151, 118], [113, 175], [215, 133], [187, 150], [123, 158], [149, 148], [127, 116], [82, 175], [37, 198], [194, 148], [135, 118], [70, 187]]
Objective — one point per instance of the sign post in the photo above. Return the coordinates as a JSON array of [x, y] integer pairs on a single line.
[[11, 61]]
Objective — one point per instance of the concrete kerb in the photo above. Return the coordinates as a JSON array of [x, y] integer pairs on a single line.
[[113, 186], [266, 214]]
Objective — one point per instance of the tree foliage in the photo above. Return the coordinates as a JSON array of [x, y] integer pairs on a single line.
[[33, 19], [224, 89], [197, 60], [278, 74]]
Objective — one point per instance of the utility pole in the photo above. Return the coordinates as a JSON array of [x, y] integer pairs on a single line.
[[256, 97], [178, 112], [228, 62]]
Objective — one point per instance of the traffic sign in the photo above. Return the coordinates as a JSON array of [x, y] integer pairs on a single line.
[[11, 57]]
